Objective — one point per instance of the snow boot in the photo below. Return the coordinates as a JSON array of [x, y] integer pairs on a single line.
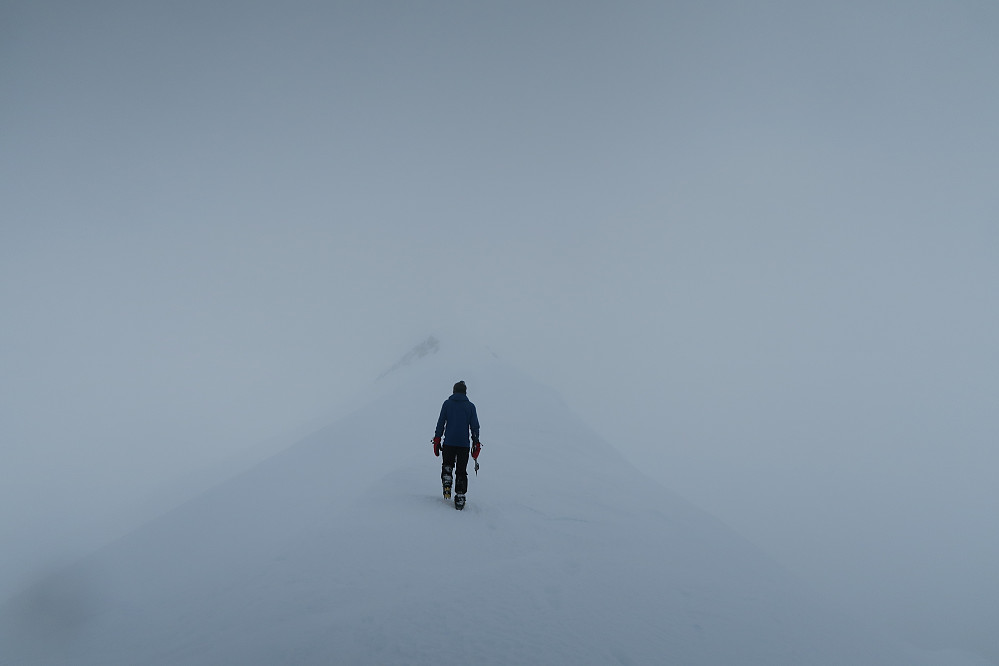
[[447, 479], [459, 501]]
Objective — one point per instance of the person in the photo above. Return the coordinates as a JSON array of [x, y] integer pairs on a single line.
[[458, 419]]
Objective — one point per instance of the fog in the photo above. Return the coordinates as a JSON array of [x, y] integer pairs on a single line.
[[754, 247]]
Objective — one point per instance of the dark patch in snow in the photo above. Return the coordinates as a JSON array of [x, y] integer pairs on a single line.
[[429, 346]]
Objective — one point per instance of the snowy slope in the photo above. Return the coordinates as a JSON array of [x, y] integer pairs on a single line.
[[340, 550]]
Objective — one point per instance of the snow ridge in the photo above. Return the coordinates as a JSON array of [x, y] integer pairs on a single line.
[[342, 550]]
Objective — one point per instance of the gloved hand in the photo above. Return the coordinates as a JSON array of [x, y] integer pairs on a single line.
[[437, 446], [476, 447]]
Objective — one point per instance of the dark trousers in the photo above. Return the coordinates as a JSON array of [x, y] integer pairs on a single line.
[[455, 458]]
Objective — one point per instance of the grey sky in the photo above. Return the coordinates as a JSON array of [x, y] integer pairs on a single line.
[[754, 245]]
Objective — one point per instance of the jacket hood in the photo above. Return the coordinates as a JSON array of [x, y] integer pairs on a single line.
[[458, 396]]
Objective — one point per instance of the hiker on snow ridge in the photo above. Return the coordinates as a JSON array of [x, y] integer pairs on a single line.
[[457, 420]]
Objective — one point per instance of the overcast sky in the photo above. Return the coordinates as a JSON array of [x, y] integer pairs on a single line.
[[755, 245]]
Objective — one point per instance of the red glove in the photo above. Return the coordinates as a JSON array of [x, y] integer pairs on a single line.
[[476, 447], [437, 446]]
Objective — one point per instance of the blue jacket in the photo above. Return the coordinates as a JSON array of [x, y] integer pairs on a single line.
[[457, 418]]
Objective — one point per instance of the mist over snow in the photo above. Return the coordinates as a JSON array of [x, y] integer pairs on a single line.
[[340, 549], [754, 246]]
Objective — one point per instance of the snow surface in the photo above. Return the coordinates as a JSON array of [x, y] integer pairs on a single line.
[[340, 550]]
